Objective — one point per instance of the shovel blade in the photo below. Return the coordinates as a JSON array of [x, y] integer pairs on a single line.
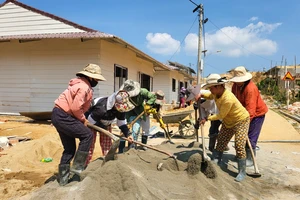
[[254, 175], [112, 151]]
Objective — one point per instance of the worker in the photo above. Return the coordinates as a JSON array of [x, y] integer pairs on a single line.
[[70, 122], [143, 100], [235, 121], [103, 112], [207, 107], [160, 95], [248, 94]]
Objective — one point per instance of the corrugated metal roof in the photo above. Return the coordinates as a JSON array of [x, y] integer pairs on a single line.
[[48, 15], [58, 35], [88, 34]]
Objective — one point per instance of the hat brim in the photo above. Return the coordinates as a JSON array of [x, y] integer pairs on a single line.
[[160, 102], [135, 92], [193, 92], [208, 85], [239, 79], [95, 76]]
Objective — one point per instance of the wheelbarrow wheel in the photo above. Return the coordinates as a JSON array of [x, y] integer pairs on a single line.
[[186, 129]]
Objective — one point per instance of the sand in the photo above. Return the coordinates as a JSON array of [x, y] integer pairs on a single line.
[[139, 174]]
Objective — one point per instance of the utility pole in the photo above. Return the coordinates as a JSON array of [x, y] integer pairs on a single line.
[[200, 10]]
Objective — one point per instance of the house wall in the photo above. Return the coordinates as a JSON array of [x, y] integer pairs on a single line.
[[163, 81], [33, 74], [113, 53]]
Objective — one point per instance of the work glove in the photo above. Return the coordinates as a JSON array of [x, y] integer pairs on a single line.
[[147, 107]]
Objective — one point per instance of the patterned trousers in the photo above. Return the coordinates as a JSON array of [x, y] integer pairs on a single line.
[[240, 131], [105, 144]]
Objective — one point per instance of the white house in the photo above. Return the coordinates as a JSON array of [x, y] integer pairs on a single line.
[[171, 81], [40, 53]]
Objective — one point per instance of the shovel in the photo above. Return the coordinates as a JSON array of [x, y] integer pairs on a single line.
[[153, 148], [256, 172], [116, 141], [149, 147]]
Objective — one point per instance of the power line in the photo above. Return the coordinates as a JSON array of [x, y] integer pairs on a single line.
[[184, 38], [238, 43]]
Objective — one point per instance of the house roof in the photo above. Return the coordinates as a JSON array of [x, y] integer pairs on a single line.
[[86, 33], [181, 66]]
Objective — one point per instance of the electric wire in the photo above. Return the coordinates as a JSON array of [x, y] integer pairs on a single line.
[[184, 38], [237, 42]]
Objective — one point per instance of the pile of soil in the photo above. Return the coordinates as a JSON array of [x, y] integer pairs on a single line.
[[135, 175], [139, 174]]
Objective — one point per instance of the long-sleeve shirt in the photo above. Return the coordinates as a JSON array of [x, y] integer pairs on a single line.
[[139, 100], [76, 99], [250, 98], [231, 111]]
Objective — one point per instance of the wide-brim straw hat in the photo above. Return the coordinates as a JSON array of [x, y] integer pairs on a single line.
[[132, 87], [93, 71], [121, 101], [240, 74], [214, 79], [160, 97], [193, 91]]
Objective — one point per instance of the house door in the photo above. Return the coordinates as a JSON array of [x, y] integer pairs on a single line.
[[121, 74], [146, 81]]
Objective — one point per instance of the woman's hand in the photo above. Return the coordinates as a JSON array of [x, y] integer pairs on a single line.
[[86, 122]]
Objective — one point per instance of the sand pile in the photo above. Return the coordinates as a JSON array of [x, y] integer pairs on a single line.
[[135, 175]]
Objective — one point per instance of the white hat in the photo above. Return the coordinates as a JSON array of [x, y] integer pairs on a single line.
[[132, 87], [120, 100], [193, 90], [240, 75], [214, 79], [93, 71], [160, 97]]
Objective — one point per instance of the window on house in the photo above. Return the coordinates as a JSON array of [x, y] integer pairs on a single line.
[[146, 81], [121, 75], [185, 84], [180, 85], [173, 85]]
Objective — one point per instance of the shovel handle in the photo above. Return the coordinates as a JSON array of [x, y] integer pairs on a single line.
[[149, 147], [253, 157], [97, 128]]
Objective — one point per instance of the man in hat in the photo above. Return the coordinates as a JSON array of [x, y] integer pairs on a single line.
[[143, 100], [235, 121], [248, 94], [103, 112], [70, 122]]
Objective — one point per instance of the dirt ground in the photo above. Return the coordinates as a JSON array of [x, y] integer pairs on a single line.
[[135, 174]]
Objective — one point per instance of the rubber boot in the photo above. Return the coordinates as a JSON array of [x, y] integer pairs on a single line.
[[79, 162], [63, 174], [121, 146], [242, 170], [212, 143], [249, 161], [144, 141], [217, 156]]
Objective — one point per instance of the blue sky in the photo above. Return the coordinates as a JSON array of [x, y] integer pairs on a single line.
[[238, 32]]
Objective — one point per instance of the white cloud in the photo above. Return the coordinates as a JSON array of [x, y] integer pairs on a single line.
[[253, 19], [162, 43], [235, 42]]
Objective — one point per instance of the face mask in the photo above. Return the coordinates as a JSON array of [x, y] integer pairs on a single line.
[[93, 82]]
